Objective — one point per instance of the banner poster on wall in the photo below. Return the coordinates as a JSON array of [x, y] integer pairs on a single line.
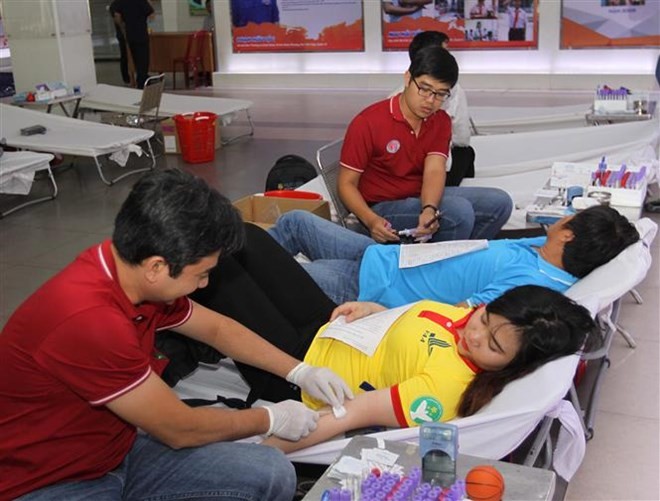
[[470, 24], [297, 25], [610, 23]]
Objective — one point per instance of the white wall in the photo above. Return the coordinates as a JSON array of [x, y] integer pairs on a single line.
[[545, 68], [50, 40]]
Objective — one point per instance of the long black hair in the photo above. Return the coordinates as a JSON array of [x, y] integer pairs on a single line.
[[550, 326]]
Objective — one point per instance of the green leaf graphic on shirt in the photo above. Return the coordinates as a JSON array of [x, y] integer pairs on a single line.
[[433, 341], [425, 410]]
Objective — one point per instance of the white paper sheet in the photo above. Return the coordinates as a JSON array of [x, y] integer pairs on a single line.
[[419, 254], [366, 333]]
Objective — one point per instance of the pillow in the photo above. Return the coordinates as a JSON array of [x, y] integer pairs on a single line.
[[609, 282]]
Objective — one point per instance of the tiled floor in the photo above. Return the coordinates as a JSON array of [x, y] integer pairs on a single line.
[[622, 460]]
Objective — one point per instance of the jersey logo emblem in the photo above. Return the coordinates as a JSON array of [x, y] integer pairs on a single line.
[[393, 146], [425, 410], [432, 341]]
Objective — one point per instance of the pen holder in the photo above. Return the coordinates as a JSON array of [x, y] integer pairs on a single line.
[[626, 197], [602, 197]]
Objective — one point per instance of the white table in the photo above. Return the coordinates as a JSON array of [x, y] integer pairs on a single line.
[[61, 101], [521, 482]]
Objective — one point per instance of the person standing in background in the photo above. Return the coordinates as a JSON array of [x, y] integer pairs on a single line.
[[132, 16], [460, 163], [123, 54]]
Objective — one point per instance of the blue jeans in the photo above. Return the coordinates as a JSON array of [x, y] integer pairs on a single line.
[[467, 213], [153, 471], [335, 252]]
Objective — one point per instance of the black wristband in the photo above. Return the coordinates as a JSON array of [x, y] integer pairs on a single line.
[[435, 209]]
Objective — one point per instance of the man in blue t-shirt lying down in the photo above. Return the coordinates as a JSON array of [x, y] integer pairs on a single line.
[[350, 266]]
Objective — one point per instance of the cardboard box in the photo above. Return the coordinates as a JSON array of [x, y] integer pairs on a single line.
[[171, 140], [264, 211]]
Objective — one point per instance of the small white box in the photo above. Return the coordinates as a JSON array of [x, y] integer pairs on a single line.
[[62, 92], [43, 95], [610, 105]]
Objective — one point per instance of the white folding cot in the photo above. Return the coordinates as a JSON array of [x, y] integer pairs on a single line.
[[70, 136], [525, 406], [17, 169], [104, 97]]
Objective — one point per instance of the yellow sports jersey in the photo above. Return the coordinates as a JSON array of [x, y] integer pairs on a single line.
[[417, 359]]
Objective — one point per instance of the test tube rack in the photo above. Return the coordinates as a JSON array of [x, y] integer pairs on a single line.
[[387, 486]]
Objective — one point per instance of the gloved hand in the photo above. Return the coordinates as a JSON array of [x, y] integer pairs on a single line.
[[291, 420], [320, 383]]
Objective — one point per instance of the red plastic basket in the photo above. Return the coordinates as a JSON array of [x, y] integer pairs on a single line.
[[196, 133]]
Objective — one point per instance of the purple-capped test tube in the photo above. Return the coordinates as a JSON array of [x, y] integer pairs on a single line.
[[435, 492]]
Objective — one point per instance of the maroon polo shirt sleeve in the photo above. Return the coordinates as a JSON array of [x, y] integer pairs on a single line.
[[440, 135], [358, 145]]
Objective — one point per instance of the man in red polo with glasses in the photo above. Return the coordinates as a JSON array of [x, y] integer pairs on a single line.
[[394, 164]]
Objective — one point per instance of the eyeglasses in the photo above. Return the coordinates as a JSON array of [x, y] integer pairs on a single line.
[[439, 95]]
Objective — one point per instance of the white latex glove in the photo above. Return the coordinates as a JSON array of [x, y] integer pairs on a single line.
[[291, 420], [320, 383]]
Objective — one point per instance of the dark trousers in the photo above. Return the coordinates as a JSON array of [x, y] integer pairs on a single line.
[[462, 165], [517, 34], [123, 58], [266, 290], [140, 53]]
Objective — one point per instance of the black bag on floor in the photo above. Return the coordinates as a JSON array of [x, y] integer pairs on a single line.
[[289, 172]]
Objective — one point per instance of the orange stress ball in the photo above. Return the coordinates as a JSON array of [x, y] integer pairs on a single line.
[[484, 483]]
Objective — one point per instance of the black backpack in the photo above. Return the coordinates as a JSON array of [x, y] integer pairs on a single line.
[[289, 172]]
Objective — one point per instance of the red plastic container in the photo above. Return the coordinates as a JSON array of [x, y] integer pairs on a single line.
[[301, 195], [196, 133]]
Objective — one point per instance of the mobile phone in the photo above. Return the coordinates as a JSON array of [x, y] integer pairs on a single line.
[[438, 447], [32, 130]]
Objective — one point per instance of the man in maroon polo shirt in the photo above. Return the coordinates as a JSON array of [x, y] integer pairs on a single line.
[[79, 373], [394, 163]]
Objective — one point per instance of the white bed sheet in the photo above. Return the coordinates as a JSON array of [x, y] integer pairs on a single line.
[[17, 170], [124, 100], [65, 135]]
